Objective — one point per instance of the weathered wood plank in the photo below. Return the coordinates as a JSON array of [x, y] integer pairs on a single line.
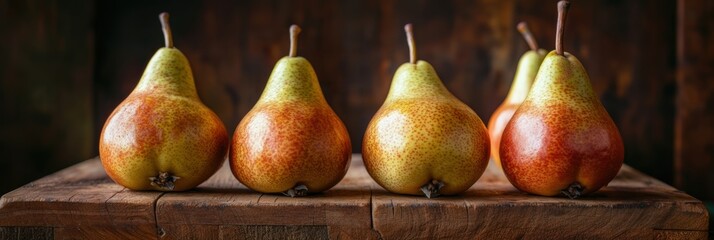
[[106, 232], [275, 232], [185, 231], [77, 196], [22, 233], [222, 200], [80, 202], [679, 235], [633, 205]]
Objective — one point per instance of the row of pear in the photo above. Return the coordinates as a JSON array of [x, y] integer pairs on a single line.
[[551, 135]]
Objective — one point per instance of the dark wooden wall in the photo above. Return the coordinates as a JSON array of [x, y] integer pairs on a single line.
[[99, 50], [46, 84], [694, 141]]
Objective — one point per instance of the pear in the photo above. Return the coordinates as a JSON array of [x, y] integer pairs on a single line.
[[525, 74], [291, 141], [561, 140], [162, 137], [423, 140]]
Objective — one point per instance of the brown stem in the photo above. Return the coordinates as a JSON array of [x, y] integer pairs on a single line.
[[294, 31], [168, 39], [562, 15], [410, 41], [523, 28]]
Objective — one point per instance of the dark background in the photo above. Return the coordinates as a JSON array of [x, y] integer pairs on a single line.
[[65, 65]]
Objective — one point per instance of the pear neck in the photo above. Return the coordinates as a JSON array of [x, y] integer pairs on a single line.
[[292, 79], [417, 81], [526, 73], [563, 76], [168, 72]]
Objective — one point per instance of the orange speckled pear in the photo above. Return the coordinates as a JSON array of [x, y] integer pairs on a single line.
[[291, 141], [525, 74], [162, 137], [423, 140], [561, 140]]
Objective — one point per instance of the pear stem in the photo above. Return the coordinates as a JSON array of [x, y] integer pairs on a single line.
[[523, 28], [560, 29], [294, 31], [410, 41], [168, 39]]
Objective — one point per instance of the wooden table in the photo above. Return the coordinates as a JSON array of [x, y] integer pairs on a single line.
[[81, 202]]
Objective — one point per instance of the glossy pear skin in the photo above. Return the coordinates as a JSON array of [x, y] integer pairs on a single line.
[[162, 126], [561, 134], [525, 74], [291, 136], [423, 133]]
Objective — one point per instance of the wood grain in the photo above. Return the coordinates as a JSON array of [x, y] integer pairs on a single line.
[[116, 231], [179, 231], [21, 233], [81, 202], [342, 209], [632, 206], [275, 232]]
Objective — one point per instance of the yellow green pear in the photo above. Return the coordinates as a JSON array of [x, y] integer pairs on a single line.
[[525, 74], [291, 142], [423, 140], [162, 137]]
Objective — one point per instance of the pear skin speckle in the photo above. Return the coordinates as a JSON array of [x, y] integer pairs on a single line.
[[163, 127], [525, 75], [291, 136], [423, 133], [561, 135], [169, 71]]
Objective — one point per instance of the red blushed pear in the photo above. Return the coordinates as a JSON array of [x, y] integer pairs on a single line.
[[525, 74], [162, 137], [291, 141], [561, 140], [423, 140]]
